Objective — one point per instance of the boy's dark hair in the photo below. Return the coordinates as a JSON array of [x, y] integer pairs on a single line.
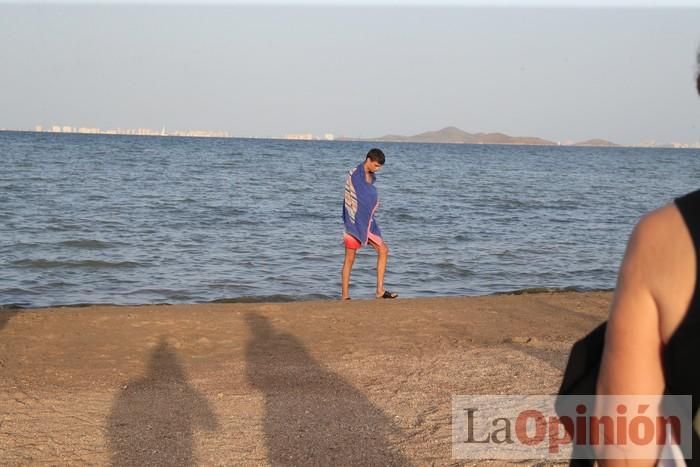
[[697, 84], [697, 77], [376, 155]]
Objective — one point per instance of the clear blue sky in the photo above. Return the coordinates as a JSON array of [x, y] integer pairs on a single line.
[[623, 74]]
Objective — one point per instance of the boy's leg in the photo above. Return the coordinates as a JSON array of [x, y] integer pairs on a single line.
[[382, 256], [345, 275]]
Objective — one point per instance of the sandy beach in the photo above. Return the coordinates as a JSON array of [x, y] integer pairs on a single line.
[[364, 382]]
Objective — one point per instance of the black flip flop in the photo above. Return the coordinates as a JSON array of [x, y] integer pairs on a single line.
[[388, 294]]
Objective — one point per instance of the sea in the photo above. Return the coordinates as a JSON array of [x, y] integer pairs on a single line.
[[103, 219]]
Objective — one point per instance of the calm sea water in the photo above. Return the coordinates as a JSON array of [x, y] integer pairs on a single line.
[[133, 220]]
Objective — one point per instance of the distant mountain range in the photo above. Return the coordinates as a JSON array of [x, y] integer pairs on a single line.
[[456, 136], [595, 142]]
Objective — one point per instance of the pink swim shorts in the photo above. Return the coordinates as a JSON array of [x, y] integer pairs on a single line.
[[354, 244]]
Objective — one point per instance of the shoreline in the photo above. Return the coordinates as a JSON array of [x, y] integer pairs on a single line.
[[282, 298], [365, 382]]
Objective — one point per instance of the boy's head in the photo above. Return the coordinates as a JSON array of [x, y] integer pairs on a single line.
[[374, 160], [376, 155]]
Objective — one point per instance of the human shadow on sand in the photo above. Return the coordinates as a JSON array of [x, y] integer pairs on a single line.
[[153, 417], [5, 316], [312, 415]]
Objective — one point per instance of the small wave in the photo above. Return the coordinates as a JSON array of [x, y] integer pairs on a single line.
[[509, 203], [405, 217], [86, 264], [504, 254], [58, 226], [12, 188], [28, 245], [176, 295], [230, 286], [32, 306], [86, 244], [78, 305], [453, 269], [277, 298], [538, 290], [17, 290]]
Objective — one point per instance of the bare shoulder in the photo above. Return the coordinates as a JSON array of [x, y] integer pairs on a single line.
[[659, 225], [655, 241], [658, 238], [660, 261]]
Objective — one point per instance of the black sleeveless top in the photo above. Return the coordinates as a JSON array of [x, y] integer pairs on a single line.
[[679, 354]]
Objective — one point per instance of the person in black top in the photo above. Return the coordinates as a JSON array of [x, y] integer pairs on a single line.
[[653, 332]]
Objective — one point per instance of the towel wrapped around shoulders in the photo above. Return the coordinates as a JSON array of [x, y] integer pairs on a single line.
[[360, 202]]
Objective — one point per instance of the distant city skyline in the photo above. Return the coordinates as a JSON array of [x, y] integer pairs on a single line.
[[620, 74], [128, 131]]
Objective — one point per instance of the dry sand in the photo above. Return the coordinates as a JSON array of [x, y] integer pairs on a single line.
[[363, 382]]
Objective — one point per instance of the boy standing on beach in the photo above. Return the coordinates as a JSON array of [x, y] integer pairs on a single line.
[[361, 201]]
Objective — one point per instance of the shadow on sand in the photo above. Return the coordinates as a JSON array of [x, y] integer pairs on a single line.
[[153, 417], [313, 416], [5, 316]]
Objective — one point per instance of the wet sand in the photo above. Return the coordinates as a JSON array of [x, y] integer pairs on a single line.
[[363, 382]]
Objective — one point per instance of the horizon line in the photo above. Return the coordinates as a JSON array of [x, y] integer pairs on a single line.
[[652, 144]]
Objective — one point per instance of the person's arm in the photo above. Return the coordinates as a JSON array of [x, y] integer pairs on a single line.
[[631, 363]]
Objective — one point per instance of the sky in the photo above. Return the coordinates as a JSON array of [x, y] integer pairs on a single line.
[[359, 69]]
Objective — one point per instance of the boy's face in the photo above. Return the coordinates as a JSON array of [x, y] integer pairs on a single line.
[[373, 166]]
